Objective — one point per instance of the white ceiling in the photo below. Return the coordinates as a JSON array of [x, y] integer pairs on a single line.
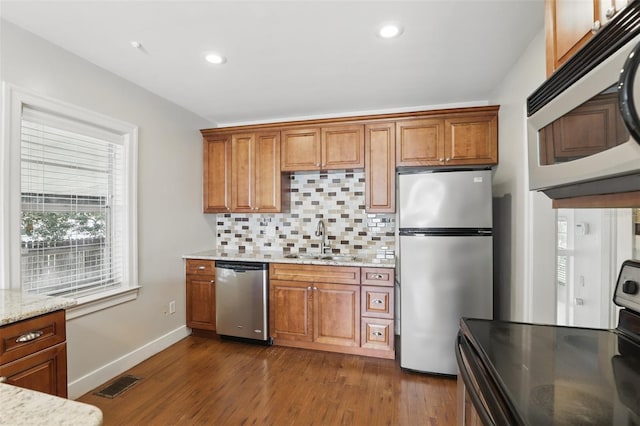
[[288, 59]]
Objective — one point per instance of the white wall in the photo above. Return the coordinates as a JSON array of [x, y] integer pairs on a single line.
[[526, 258], [170, 222]]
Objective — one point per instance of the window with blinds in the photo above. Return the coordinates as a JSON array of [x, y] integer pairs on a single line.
[[73, 206]]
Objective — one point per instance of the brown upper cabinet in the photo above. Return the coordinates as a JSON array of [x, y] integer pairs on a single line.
[[451, 140], [323, 148], [217, 174], [380, 168], [242, 173], [570, 24]]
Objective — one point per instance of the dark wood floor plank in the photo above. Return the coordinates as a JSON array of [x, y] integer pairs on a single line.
[[201, 381]]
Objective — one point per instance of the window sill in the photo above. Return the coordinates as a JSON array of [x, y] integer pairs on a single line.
[[97, 302]]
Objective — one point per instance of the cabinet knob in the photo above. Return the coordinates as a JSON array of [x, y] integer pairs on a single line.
[[212, 281], [596, 27], [377, 301], [610, 12], [315, 288], [309, 288], [447, 159], [378, 277], [376, 333], [3, 379], [441, 160]]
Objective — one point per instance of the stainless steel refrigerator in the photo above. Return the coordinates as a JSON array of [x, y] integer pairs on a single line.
[[445, 262]]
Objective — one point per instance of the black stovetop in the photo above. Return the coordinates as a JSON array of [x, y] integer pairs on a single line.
[[561, 375]]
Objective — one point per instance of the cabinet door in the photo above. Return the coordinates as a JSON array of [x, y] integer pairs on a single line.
[[217, 175], [268, 189], [336, 314], [380, 168], [242, 172], [301, 150], [291, 310], [471, 140], [201, 302], [420, 142], [342, 147], [44, 371], [568, 27]]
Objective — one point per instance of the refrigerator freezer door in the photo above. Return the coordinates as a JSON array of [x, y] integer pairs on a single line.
[[460, 199], [443, 278]]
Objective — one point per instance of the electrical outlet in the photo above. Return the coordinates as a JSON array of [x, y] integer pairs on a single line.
[[172, 307]]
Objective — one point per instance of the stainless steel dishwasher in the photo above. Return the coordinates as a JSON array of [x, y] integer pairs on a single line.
[[242, 294]]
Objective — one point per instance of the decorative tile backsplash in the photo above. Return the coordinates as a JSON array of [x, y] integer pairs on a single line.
[[337, 197]]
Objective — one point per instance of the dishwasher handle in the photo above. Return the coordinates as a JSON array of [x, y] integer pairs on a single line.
[[242, 266]]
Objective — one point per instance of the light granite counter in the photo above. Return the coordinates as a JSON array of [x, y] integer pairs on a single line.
[[278, 257], [16, 306], [20, 406]]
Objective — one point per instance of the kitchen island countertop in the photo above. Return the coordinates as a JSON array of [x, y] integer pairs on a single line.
[[20, 406], [16, 306], [279, 257]]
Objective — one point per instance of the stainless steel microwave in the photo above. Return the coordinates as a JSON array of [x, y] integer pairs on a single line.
[[583, 128]]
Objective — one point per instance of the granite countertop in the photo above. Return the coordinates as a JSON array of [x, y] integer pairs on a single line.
[[279, 257], [20, 406], [16, 306]]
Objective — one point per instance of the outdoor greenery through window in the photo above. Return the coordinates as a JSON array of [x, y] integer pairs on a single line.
[[72, 206]]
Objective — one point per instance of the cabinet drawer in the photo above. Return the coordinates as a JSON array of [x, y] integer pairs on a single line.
[[201, 267], [377, 333], [314, 273], [32, 335], [377, 302], [378, 276]]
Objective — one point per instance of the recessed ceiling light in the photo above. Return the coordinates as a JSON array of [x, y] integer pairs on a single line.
[[215, 58], [390, 30]]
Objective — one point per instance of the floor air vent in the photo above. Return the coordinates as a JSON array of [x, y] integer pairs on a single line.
[[120, 385]]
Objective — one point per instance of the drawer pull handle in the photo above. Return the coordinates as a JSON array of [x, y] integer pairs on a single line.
[[378, 277], [202, 268], [376, 333], [29, 336], [377, 301]]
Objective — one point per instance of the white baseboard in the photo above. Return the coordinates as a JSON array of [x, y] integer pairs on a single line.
[[90, 381]]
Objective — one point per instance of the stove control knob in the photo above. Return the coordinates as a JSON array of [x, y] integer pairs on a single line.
[[630, 287]]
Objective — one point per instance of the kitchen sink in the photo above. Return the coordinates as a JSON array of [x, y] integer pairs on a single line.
[[336, 257]]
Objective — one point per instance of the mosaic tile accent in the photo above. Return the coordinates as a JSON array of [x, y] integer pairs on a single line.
[[337, 197]]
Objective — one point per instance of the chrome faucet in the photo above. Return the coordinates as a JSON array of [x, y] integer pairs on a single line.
[[320, 231]]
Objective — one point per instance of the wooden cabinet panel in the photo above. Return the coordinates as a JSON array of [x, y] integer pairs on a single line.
[[268, 180], [301, 149], [26, 337], [242, 172], [377, 302], [471, 140], [315, 273], [380, 168], [569, 25], [201, 294], [33, 353], [378, 276], [420, 142], [217, 175], [326, 148], [44, 371], [377, 334], [291, 310], [336, 314], [342, 147]]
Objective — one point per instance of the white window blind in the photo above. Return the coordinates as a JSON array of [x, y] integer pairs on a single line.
[[73, 206]]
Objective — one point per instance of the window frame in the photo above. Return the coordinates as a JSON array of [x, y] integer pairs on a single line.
[[13, 101]]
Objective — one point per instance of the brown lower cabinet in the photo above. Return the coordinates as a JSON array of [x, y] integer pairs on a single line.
[[322, 307], [201, 295], [33, 354]]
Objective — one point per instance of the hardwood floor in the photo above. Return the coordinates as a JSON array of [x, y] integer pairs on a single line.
[[219, 382]]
